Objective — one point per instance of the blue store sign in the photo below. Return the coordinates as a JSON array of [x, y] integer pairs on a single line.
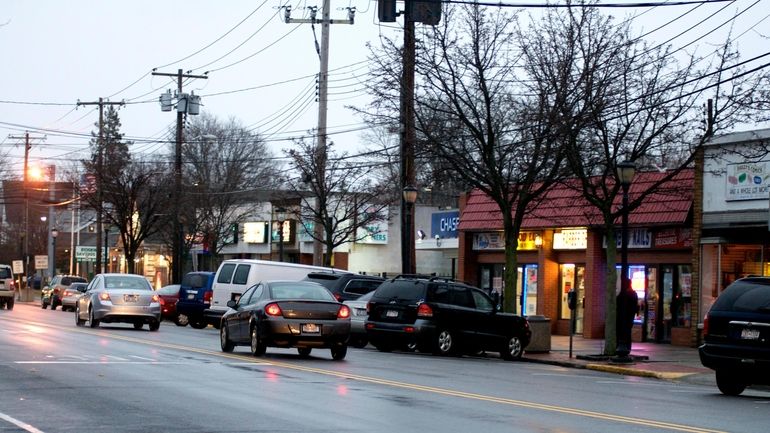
[[444, 224]]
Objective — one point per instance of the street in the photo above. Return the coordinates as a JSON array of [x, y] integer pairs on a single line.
[[56, 377]]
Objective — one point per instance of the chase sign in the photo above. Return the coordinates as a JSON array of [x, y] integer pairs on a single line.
[[444, 224]]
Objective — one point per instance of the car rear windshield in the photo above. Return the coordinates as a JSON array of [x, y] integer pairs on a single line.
[[195, 281], [325, 280], [121, 282], [403, 290], [66, 281], [749, 296], [308, 291], [5, 273]]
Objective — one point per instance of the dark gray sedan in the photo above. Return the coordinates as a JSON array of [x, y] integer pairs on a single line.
[[297, 314], [119, 298]]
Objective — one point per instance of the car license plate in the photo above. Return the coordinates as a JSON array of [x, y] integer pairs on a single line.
[[749, 334], [130, 298], [391, 313], [310, 328], [191, 296]]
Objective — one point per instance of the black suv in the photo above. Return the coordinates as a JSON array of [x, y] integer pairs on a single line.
[[736, 335], [346, 286], [442, 316]]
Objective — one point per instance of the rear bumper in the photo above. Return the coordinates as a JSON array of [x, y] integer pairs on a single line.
[[753, 362], [400, 333], [123, 313], [6, 293], [287, 333]]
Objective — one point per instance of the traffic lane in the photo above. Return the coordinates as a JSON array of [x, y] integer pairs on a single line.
[[420, 369]]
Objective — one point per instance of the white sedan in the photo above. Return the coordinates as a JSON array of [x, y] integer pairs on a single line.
[[119, 298]]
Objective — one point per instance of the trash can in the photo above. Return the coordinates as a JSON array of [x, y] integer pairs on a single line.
[[541, 334]]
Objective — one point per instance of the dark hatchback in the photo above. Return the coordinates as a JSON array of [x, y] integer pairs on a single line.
[[298, 314], [346, 286], [442, 316], [736, 336], [194, 296]]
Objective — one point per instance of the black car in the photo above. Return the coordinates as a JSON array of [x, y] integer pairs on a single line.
[[346, 286], [442, 316], [736, 335], [194, 296], [297, 314]]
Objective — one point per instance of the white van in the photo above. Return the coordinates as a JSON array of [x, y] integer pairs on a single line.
[[234, 276]]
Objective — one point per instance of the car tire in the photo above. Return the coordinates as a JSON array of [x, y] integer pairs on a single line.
[[44, 305], [224, 340], [445, 342], [729, 383], [512, 349], [78, 320], [92, 322], [138, 325], [256, 346], [181, 320], [154, 325], [339, 352], [198, 324], [9, 304], [304, 351]]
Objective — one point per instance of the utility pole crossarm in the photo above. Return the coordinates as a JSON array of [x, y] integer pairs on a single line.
[[315, 21]]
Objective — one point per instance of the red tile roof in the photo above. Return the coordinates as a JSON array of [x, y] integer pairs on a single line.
[[564, 206]]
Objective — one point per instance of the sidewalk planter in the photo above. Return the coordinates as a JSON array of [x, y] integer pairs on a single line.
[[541, 334]]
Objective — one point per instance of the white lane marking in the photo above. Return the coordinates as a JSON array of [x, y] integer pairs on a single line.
[[19, 424], [105, 362], [140, 357]]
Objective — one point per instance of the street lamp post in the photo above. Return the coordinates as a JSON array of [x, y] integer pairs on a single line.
[[54, 235], [280, 220], [407, 238], [627, 300]]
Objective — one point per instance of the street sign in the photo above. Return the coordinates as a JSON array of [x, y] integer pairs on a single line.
[[18, 267], [88, 254], [41, 262]]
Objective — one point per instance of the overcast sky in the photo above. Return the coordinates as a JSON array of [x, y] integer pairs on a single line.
[[58, 52]]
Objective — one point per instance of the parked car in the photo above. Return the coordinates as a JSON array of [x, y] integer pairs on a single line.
[[7, 287], [51, 294], [345, 286], [194, 297], [736, 336], [168, 296], [358, 316], [297, 314], [119, 298], [71, 294], [442, 316]]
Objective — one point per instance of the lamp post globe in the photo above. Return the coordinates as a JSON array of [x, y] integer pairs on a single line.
[[407, 238]]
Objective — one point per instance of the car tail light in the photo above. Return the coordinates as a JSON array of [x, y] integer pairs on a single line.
[[338, 297], [56, 290], [368, 307], [409, 329], [273, 310], [161, 300], [424, 310], [155, 298], [13, 285], [344, 312], [104, 296], [207, 297], [706, 325]]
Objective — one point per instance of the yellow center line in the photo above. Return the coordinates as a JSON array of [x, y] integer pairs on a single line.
[[404, 385]]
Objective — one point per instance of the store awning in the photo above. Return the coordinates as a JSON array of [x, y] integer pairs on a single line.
[[564, 206]]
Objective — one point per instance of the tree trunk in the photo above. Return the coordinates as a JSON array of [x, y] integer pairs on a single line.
[[610, 315], [511, 271]]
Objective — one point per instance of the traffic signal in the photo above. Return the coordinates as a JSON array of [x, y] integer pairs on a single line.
[[425, 11], [386, 11]]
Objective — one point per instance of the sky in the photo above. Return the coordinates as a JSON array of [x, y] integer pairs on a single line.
[[261, 70]]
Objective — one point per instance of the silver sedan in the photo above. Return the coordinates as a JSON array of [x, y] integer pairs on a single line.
[[119, 298]]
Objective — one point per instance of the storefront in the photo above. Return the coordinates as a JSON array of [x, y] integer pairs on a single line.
[[572, 256]]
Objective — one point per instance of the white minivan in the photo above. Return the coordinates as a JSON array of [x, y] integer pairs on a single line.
[[234, 276]]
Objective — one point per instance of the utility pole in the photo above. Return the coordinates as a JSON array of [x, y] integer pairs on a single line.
[[25, 178], [185, 104], [323, 84], [407, 139], [99, 178]]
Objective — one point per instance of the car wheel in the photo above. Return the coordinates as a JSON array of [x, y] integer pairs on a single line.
[[9, 304], [359, 343], [339, 352], [181, 320], [445, 342], [198, 324], [138, 325], [92, 322], [257, 348], [411, 346], [729, 383], [512, 348], [224, 340], [44, 305], [154, 325], [78, 320], [304, 351]]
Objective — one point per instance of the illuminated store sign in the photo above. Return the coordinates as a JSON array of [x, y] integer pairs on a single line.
[[572, 239]]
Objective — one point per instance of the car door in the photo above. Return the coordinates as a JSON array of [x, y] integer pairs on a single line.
[[233, 321], [246, 308], [454, 309], [488, 329], [85, 300]]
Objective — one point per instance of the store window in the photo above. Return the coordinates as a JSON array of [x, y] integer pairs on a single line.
[[572, 277], [527, 288]]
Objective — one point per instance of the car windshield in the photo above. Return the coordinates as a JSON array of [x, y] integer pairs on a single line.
[[66, 281], [124, 282], [366, 297], [293, 290], [401, 289], [169, 290], [326, 280], [5, 272], [195, 281], [749, 296]]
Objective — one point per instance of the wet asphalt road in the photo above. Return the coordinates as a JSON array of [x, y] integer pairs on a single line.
[[56, 377]]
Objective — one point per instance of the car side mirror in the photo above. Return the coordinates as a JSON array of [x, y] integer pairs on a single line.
[[232, 304]]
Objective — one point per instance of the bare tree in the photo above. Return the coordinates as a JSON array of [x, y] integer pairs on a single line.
[[351, 201]]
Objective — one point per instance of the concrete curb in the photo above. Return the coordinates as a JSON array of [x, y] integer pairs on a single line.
[[627, 371]]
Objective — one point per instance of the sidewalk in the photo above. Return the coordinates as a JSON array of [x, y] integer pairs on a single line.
[[661, 361]]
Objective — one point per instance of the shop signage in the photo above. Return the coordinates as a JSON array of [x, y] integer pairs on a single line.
[[256, 232], [496, 241], [444, 224], [673, 238], [747, 181], [88, 254], [288, 229], [637, 238], [376, 231], [571, 239]]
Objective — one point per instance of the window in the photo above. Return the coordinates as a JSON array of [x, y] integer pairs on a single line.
[[361, 287], [245, 299], [226, 273], [482, 301], [241, 274], [460, 296], [5, 272], [195, 281]]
